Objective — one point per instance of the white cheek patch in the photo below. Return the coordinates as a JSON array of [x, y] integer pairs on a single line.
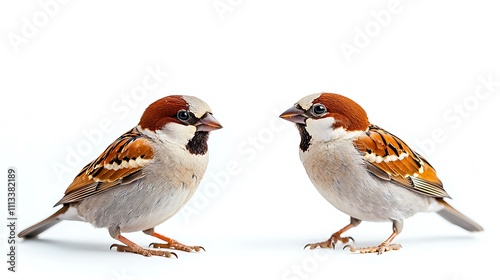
[[322, 130], [172, 133]]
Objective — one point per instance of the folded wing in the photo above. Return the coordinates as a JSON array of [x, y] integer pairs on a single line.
[[121, 163], [389, 158]]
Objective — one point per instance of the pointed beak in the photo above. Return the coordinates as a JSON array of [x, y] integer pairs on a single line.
[[294, 115], [207, 123]]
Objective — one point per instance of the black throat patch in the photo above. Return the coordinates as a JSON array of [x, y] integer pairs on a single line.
[[198, 145], [305, 137]]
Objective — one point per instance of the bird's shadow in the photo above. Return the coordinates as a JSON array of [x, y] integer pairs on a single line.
[[428, 240], [367, 242], [266, 244], [68, 244], [439, 239]]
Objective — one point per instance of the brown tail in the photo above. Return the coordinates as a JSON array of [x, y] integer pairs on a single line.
[[40, 227], [453, 216]]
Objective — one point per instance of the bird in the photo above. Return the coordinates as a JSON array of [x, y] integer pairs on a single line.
[[142, 178], [365, 171]]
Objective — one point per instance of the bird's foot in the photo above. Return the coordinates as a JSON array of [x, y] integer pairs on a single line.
[[330, 243], [380, 249], [177, 246], [141, 251]]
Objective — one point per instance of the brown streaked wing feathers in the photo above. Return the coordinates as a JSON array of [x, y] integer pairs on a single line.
[[411, 171], [95, 178]]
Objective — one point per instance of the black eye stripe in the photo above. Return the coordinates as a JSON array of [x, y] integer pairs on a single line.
[[186, 117]]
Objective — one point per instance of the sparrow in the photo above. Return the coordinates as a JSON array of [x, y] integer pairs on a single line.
[[365, 171], [143, 178]]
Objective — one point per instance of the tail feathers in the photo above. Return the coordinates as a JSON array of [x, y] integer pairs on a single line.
[[42, 226], [453, 216]]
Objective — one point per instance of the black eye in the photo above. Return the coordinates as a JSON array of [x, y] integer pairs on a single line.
[[319, 109], [183, 115]]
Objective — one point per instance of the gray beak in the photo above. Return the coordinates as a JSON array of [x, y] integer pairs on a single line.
[[294, 115], [207, 123]]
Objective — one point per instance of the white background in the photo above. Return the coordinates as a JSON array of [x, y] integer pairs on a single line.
[[415, 72]]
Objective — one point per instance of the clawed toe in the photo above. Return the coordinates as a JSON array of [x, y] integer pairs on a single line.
[[142, 251], [386, 246], [325, 244], [374, 249], [178, 246], [330, 243]]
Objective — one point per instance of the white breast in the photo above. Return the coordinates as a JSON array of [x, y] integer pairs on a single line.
[[171, 178], [338, 172]]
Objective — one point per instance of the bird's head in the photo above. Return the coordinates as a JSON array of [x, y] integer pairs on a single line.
[[325, 117], [180, 119]]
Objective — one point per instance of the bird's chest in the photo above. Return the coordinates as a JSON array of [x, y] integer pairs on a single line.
[[177, 168], [169, 182], [337, 171]]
